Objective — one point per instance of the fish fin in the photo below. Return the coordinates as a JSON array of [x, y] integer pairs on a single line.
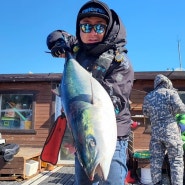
[[56, 91], [92, 92]]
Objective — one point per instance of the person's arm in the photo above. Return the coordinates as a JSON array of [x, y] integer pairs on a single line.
[[145, 107], [59, 41], [118, 82]]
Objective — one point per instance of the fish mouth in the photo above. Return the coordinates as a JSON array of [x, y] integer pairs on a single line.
[[97, 170]]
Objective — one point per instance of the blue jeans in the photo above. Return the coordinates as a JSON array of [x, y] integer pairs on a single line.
[[118, 168]]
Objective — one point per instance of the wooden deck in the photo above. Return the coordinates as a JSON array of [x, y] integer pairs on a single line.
[[60, 175]]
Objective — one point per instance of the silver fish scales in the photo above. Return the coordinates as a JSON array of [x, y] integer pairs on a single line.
[[91, 118]]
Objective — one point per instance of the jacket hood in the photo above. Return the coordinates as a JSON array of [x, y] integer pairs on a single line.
[[162, 81], [115, 36], [94, 8]]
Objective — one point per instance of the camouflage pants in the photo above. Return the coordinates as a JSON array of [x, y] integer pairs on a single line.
[[167, 139]]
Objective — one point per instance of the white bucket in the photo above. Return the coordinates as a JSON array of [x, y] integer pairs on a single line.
[[146, 176]]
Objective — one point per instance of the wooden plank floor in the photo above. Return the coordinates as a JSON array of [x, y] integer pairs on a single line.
[[58, 176]]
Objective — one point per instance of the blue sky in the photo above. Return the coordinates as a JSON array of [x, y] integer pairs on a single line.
[[154, 28]]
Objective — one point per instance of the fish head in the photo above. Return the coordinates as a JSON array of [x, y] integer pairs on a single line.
[[91, 140]]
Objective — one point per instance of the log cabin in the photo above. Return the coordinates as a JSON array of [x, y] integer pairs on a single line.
[[28, 109], [27, 112]]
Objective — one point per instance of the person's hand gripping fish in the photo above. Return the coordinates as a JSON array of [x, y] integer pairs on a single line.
[[90, 115]]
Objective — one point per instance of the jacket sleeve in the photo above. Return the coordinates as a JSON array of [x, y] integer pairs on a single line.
[[145, 107], [118, 82]]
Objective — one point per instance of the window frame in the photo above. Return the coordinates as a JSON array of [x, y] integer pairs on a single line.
[[22, 131]]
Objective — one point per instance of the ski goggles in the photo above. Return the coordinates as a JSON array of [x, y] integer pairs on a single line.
[[98, 28]]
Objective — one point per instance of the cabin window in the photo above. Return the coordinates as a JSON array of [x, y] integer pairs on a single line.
[[16, 111]]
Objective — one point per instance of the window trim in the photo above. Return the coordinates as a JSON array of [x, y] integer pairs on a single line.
[[22, 131]]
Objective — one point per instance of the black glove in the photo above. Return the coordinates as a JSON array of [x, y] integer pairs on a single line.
[[58, 42], [59, 48]]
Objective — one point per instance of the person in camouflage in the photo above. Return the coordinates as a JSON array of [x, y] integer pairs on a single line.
[[161, 105]]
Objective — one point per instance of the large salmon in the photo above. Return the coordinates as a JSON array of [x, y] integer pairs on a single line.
[[91, 118]]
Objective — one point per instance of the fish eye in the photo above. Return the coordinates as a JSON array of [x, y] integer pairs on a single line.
[[91, 141]]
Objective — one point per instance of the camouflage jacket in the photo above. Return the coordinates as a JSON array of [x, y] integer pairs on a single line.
[[163, 103]]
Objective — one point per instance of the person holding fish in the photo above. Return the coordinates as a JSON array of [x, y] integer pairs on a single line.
[[161, 105], [99, 47]]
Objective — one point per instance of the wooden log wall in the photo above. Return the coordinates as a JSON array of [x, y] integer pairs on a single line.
[[43, 115], [44, 101]]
